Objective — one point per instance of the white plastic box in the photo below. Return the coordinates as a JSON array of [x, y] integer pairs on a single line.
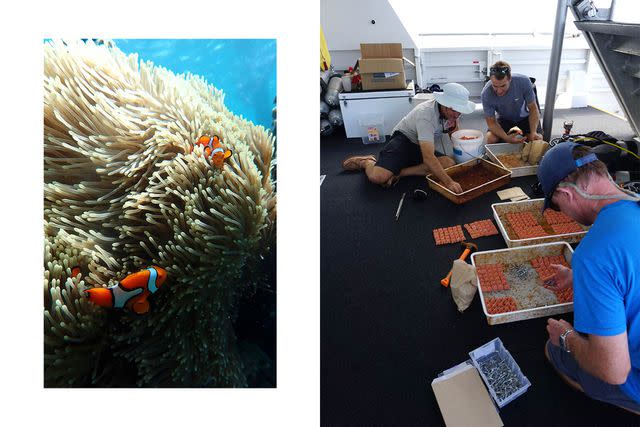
[[392, 105], [531, 284], [495, 347], [373, 131], [495, 150], [535, 206]]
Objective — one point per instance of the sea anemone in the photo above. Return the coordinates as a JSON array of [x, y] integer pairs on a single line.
[[125, 188], [72, 324]]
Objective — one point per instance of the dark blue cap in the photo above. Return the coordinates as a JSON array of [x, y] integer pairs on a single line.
[[556, 164]]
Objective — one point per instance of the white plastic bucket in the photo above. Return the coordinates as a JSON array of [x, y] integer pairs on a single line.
[[467, 149]]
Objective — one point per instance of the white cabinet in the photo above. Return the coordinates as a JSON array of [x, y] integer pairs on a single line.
[[386, 108]]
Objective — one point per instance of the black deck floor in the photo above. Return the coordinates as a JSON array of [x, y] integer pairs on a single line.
[[387, 325]]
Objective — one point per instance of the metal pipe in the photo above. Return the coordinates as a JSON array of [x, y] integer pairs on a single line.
[[611, 8], [554, 68], [418, 66]]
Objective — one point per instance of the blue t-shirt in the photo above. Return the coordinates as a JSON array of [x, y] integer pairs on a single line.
[[512, 105], [606, 281]]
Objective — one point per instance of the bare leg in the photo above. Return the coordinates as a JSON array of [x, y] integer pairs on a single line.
[[422, 169], [418, 170], [376, 174]]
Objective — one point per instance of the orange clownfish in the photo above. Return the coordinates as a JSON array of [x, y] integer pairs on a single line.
[[213, 149], [131, 292]]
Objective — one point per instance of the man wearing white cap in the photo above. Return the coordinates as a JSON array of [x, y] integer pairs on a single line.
[[411, 150]]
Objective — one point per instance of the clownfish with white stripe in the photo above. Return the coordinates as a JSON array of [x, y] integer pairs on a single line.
[[213, 149], [131, 292]]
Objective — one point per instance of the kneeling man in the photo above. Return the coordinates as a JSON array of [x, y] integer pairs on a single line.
[[411, 150]]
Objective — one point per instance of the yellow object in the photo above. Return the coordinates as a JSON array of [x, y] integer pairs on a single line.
[[325, 57], [623, 149]]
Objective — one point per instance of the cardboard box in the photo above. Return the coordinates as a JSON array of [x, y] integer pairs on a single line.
[[463, 398], [382, 66]]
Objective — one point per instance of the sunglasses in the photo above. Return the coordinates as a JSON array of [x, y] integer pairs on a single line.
[[494, 71]]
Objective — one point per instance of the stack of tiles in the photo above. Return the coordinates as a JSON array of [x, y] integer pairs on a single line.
[[555, 217], [561, 223], [500, 305], [491, 277], [566, 228], [481, 228], [543, 267], [448, 235], [566, 295], [525, 225]]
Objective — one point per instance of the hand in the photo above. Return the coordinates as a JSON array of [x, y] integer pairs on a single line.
[[534, 136], [454, 187], [515, 138], [563, 278], [555, 329]]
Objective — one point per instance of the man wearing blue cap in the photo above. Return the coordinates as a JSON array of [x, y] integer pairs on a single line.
[[411, 150], [601, 356]]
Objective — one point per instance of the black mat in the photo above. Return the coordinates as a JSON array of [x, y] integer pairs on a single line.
[[387, 325]]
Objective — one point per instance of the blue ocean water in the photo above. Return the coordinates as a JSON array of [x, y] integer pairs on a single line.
[[245, 69]]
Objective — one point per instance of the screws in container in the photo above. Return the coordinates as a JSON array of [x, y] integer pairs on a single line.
[[500, 376]]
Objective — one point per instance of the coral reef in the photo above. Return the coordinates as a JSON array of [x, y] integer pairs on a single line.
[[125, 188]]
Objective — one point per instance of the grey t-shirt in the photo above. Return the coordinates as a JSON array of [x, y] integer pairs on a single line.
[[512, 105], [423, 123]]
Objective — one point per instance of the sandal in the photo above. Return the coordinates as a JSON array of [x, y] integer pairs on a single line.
[[355, 163]]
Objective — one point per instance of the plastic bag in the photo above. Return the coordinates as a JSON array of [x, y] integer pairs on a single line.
[[464, 284], [538, 148], [525, 151]]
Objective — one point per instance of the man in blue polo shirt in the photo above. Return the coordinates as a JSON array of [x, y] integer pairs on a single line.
[[601, 356], [508, 100]]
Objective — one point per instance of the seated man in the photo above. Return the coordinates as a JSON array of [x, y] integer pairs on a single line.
[[411, 149], [511, 98], [601, 356]]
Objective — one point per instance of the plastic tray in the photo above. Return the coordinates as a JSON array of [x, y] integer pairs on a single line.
[[535, 206], [531, 287], [502, 177], [493, 150], [489, 349]]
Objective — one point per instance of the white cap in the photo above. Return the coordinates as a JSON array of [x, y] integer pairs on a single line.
[[455, 96]]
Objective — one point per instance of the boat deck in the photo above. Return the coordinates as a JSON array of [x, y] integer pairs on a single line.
[[387, 325]]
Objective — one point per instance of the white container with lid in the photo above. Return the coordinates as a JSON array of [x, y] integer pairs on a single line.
[[467, 144]]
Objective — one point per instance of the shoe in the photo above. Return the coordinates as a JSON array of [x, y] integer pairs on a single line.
[[355, 163]]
